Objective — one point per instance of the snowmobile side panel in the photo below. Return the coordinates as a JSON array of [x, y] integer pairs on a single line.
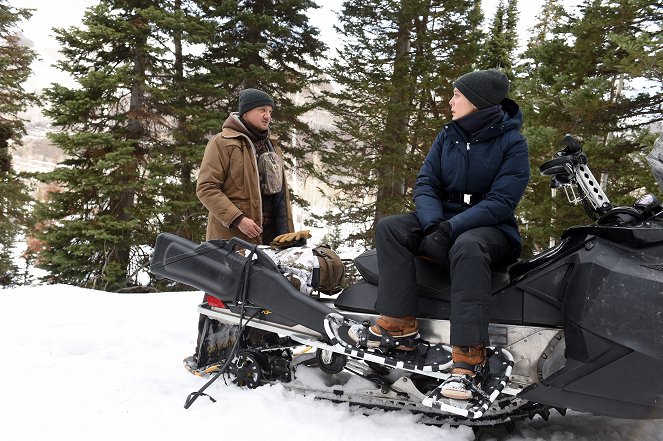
[[629, 387], [610, 382], [610, 379], [550, 283], [560, 398], [621, 298]]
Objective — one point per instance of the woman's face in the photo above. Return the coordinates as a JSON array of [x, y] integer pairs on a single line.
[[460, 106]]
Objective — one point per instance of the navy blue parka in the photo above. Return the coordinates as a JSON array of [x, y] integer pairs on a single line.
[[495, 163]]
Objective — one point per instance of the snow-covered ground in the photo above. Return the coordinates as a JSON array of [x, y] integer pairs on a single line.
[[87, 365]]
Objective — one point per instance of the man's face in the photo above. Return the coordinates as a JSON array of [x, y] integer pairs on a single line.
[[260, 117]]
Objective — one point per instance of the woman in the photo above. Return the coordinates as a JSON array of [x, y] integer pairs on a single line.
[[465, 196]]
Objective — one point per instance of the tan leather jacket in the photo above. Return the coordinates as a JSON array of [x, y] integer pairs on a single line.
[[228, 184]]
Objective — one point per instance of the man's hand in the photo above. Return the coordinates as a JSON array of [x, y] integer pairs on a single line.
[[437, 244], [248, 227]]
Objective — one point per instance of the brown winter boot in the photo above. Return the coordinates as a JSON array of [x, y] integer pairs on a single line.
[[401, 333], [467, 363]]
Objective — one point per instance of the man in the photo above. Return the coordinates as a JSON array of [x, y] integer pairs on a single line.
[[234, 180], [242, 184]]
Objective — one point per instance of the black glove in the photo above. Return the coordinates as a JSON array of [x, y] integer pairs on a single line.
[[437, 244]]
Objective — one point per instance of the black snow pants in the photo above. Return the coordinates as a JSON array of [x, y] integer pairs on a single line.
[[471, 256]]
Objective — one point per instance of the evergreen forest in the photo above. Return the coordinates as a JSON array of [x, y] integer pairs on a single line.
[[155, 79]]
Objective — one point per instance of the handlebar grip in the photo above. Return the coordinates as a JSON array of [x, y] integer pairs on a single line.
[[571, 144]]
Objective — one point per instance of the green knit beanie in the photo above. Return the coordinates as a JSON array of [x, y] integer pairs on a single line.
[[483, 88], [251, 98]]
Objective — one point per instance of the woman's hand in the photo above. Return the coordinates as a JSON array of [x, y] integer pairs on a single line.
[[437, 244]]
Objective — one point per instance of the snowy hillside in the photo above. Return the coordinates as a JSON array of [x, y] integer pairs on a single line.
[[81, 365]]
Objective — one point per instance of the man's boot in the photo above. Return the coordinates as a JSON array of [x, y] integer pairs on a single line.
[[388, 332], [469, 362]]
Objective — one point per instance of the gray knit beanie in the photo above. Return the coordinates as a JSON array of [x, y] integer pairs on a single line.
[[483, 88], [251, 98]]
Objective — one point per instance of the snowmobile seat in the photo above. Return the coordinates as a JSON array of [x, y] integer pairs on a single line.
[[361, 298], [431, 282], [432, 287]]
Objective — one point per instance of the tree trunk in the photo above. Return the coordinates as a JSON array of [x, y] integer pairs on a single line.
[[124, 205], [254, 36], [186, 168], [391, 183]]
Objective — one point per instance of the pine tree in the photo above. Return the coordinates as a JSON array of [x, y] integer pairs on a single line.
[[269, 45], [395, 71], [581, 77], [15, 60], [187, 101], [499, 49], [96, 230]]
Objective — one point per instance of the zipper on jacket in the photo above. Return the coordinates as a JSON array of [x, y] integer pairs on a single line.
[[467, 146]]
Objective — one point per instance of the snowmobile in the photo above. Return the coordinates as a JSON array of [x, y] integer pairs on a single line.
[[579, 326]]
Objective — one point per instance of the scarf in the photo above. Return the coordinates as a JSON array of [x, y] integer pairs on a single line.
[[476, 122], [253, 132]]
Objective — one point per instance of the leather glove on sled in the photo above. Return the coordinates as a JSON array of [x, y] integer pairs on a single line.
[[437, 244], [286, 240]]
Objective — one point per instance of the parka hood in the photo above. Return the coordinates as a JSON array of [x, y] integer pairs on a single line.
[[234, 127], [234, 123], [512, 110]]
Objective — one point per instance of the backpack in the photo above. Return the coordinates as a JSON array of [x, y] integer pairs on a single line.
[[330, 275]]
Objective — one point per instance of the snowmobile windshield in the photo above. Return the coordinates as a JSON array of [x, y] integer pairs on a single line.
[[655, 159]]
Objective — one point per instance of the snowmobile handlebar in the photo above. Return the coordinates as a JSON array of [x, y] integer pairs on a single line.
[[568, 170]]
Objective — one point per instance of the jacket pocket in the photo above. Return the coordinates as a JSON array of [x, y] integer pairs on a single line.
[[237, 168]]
